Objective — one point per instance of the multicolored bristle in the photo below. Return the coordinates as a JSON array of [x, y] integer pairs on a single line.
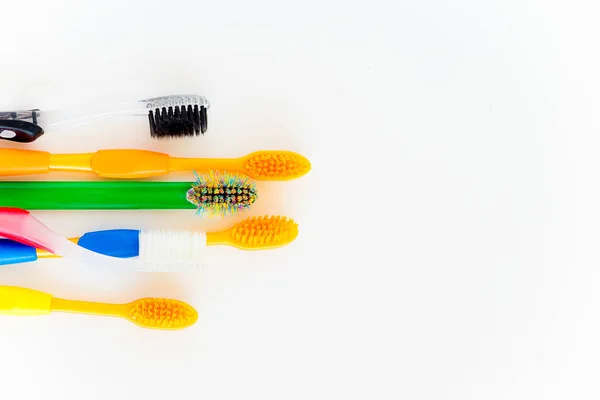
[[222, 193]]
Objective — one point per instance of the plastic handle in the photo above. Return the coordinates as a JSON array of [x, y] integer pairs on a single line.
[[130, 164], [23, 162], [24, 228], [12, 252], [122, 243], [21, 301], [20, 131], [96, 195], [13, 210]]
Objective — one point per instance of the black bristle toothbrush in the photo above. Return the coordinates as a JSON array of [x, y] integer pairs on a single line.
[[172, 116]]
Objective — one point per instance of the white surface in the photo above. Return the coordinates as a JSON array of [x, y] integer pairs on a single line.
[[448, 242]]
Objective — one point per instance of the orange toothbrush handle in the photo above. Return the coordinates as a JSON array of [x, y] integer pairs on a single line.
[[130, 164], [123, 164], [23, 162]]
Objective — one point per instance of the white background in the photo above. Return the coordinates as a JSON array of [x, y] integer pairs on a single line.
[[449, 229]]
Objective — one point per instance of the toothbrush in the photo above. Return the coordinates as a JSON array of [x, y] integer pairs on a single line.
[[266, 165], [212, 194], [168, 116], [255, 233], [152, 313], [20, 226]]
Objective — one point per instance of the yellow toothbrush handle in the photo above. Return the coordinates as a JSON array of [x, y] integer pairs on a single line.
[[88, 307], [22, 301]]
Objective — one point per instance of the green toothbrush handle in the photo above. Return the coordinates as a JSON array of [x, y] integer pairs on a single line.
[[95, 195]]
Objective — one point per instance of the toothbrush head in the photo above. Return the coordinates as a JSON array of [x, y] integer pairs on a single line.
[[269, 165], [177, 116], [165, 250], [259, 233], [222, 193], [157, 313]]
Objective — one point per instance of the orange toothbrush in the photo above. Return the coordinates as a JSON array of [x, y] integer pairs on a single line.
[[266, 165]]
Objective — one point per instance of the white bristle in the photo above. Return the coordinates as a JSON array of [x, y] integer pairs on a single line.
[[176, 100], [172, 250]]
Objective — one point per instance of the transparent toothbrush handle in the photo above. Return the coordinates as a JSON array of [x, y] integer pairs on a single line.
[[22, 227], [58, 120], [19, 225], [21, 114], [65, 248]]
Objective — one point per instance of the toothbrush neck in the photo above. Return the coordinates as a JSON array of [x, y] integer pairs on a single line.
[[199, 164], [86, 307]]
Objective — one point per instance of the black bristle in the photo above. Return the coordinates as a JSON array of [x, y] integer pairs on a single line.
[[204, 119], [190, 117], [196, 118], [152, 124], [178, 121]]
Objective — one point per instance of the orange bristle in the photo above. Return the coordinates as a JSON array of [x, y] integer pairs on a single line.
[[162, 313], [276, 165], [264, 232]]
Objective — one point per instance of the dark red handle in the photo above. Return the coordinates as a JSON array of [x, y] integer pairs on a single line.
[[13, 210]]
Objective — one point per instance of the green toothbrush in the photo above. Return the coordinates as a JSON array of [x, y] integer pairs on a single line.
[[212, 193]]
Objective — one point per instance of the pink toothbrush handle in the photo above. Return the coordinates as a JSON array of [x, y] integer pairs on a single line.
[[11, 227]]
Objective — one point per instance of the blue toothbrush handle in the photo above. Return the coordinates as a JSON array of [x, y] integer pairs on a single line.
[[12, 252], [121, 243]]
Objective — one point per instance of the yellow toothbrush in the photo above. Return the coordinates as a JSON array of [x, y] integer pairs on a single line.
[[153, 313]]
